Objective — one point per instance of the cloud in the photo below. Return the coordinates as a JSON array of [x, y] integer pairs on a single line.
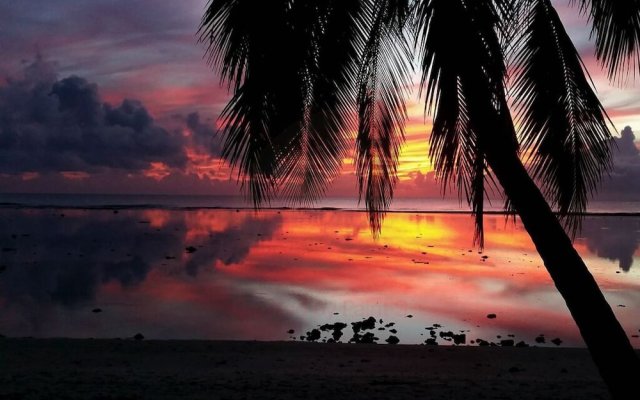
[[202, 134], [144, 47], [625, 176], [50, 125]]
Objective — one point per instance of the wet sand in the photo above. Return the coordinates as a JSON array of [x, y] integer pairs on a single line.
[[129, 369]]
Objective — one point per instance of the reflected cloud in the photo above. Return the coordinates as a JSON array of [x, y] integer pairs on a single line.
[[232, 245], [613, 238], [72, 259]]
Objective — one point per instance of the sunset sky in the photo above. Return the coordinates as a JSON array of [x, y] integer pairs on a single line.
[[134, 71]]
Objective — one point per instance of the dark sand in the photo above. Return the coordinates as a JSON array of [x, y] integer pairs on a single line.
[[128, 369]]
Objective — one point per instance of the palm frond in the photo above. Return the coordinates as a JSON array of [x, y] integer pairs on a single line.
[[463, 80], [384, 81], [311, 154], [243, 41], [291, 66], [564, 126], [616, 28]]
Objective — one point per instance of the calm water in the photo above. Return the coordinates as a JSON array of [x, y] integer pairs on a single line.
[[256, 276]]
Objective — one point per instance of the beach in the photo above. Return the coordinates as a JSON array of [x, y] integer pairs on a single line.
[[130, 369]]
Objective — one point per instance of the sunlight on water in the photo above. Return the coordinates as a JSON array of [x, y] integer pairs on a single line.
[[227, 274]]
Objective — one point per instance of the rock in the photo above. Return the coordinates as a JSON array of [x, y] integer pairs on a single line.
[[96, 310], [339, 326], [138, 336], [460, 339], [369, 323], [446, 335], [392, 340], [190, 249], [393, 330], [291, 331], [557, 341], [506, 343], [390, 324], [540, 339], [521, 344], [313, 335], [491, 316], [409, 316], [431, 342], [369, 338]]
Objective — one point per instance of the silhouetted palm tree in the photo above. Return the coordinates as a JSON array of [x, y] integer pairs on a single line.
[[307, 74]]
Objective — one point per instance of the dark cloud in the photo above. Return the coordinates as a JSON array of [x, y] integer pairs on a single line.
[[626, 143], [625, 176], [203, 134], [50, 125]]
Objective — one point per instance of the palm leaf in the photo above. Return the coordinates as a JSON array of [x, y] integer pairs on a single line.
[[564, 127], [616, 28], [384, 81], [463, 81], [241, 37], [311, 152], [286, 125]]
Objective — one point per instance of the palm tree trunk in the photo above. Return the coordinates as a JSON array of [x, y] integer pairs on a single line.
[[610, 348]]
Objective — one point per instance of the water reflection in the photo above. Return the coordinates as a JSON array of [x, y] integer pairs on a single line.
[[223, 274], [613, 238]]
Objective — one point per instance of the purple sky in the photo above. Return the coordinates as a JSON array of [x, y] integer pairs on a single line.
[[140, 83]]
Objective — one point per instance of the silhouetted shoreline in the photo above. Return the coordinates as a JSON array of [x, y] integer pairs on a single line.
[[92, 369], [118, 207]]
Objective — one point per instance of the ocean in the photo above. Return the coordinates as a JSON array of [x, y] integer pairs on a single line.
[[203, 202]]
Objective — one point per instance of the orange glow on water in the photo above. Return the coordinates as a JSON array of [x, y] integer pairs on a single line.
[[227, 274]]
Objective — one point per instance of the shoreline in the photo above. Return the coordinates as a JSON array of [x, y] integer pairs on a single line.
[[142, 207], [168, 369]]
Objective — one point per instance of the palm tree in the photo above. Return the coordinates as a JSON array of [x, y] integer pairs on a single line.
[[305, 75]]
